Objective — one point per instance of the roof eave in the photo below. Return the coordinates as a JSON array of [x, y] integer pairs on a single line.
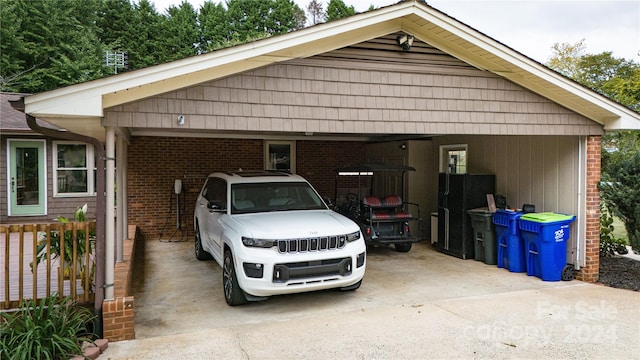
[[88, 100]]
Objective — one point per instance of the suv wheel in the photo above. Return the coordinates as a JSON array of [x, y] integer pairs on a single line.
[[233, 294], [201, 254]]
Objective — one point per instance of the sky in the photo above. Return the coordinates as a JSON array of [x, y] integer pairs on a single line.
[[531, 27]]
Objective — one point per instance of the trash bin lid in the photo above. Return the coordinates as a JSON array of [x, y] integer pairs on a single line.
[[546, 217], [484, 211]]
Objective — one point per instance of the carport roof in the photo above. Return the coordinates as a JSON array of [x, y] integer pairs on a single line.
[[80, 107]]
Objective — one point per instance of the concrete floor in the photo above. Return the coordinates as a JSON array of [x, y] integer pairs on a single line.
[[410, 305]]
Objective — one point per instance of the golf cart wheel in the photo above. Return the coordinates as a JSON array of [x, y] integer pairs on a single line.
[[567, 273], [403, 247]]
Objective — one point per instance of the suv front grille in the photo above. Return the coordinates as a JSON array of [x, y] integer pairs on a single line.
[[312, 244]]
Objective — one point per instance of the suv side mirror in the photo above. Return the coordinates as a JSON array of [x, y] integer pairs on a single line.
[[216, 205]]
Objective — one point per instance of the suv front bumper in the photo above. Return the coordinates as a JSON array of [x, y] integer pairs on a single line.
[[264, 272]]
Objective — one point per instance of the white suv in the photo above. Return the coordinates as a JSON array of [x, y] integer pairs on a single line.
[[273, 234]]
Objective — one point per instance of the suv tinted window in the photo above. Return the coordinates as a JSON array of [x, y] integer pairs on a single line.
[[274, 196], [216, 191]]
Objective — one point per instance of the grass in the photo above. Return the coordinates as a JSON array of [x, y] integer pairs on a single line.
[[619, 230]]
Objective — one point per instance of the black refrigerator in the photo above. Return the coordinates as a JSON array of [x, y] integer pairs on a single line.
[[458, 193]]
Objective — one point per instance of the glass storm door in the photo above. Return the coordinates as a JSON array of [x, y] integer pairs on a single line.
[[27, 177]]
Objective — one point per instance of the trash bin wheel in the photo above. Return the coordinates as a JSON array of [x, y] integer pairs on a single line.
[[568, 273]]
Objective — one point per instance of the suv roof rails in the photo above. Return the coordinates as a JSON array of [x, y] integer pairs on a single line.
[[256, 173]]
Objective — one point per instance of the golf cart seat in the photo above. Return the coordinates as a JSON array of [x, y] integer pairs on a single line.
[[390, 208]]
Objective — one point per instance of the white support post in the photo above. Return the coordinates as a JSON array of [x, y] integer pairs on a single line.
[[119, 207], [109, 273], [124, 190]]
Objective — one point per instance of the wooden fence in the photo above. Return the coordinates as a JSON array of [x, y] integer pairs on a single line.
[[31, 262]]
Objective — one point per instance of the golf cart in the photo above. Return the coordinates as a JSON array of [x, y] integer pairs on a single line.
[[372, 195]]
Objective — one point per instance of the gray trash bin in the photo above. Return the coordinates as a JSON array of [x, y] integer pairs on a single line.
[[483, 235]]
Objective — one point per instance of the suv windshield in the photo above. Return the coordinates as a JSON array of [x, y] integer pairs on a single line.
[[273, 196]]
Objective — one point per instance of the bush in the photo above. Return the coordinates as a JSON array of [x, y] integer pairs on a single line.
[[53, 329], [609, 245]]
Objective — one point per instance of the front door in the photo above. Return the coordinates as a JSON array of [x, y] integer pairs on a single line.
[[27, 177]]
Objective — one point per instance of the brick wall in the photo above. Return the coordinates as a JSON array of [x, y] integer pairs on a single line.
[[317, 162], [154, 163], [590, 272]]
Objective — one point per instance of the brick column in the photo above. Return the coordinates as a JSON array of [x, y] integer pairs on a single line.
[[118, 314], [117, 317], [590, 272]]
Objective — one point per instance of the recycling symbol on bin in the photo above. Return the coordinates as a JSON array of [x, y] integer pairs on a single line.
[[559, 235]]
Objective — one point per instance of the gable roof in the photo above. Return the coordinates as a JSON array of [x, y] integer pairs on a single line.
[[86, 101], [12, 120]]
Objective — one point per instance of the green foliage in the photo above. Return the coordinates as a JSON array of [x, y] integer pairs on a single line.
[[53, 329], [56, 246], [215, 31], [46, 44], [181, 32], [250, 19], [565, 58], [337, 9], [620, 186], [615, 78], [609, 244], [116, 21], [619, 80]]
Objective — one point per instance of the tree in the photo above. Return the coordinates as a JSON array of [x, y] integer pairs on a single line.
[[618, 79], [46, 44], [620, 186], [147, 37], [49, 44], [256, 19], [565, 58], [338, 10], [316, 12], [215, 31], [115, 22], [615, 78], [13, 49], [181, 32]]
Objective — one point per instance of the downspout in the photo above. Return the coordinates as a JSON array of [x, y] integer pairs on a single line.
[[100, 203]]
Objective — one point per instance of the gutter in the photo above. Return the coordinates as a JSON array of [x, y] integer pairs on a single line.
[[100, 203]]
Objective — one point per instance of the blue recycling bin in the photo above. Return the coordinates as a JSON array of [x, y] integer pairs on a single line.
[[511, 253], [545, 236]]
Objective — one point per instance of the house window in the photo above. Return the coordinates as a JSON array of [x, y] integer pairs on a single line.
[[74, 169], [280, 155], [453, 159]]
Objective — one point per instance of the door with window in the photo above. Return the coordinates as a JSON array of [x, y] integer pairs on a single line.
[[453, 159], [27, 177]]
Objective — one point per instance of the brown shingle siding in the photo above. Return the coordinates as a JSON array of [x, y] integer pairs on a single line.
[[310, 90]]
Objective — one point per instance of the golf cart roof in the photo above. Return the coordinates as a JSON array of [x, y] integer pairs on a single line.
[[373, 167]]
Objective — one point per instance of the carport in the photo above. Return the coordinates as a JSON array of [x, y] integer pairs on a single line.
[[340, 93]]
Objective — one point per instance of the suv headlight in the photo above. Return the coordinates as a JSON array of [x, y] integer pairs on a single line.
[[261, 243], [353, 236]]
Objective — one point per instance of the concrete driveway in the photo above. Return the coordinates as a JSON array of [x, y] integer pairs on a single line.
[[421, 304]]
